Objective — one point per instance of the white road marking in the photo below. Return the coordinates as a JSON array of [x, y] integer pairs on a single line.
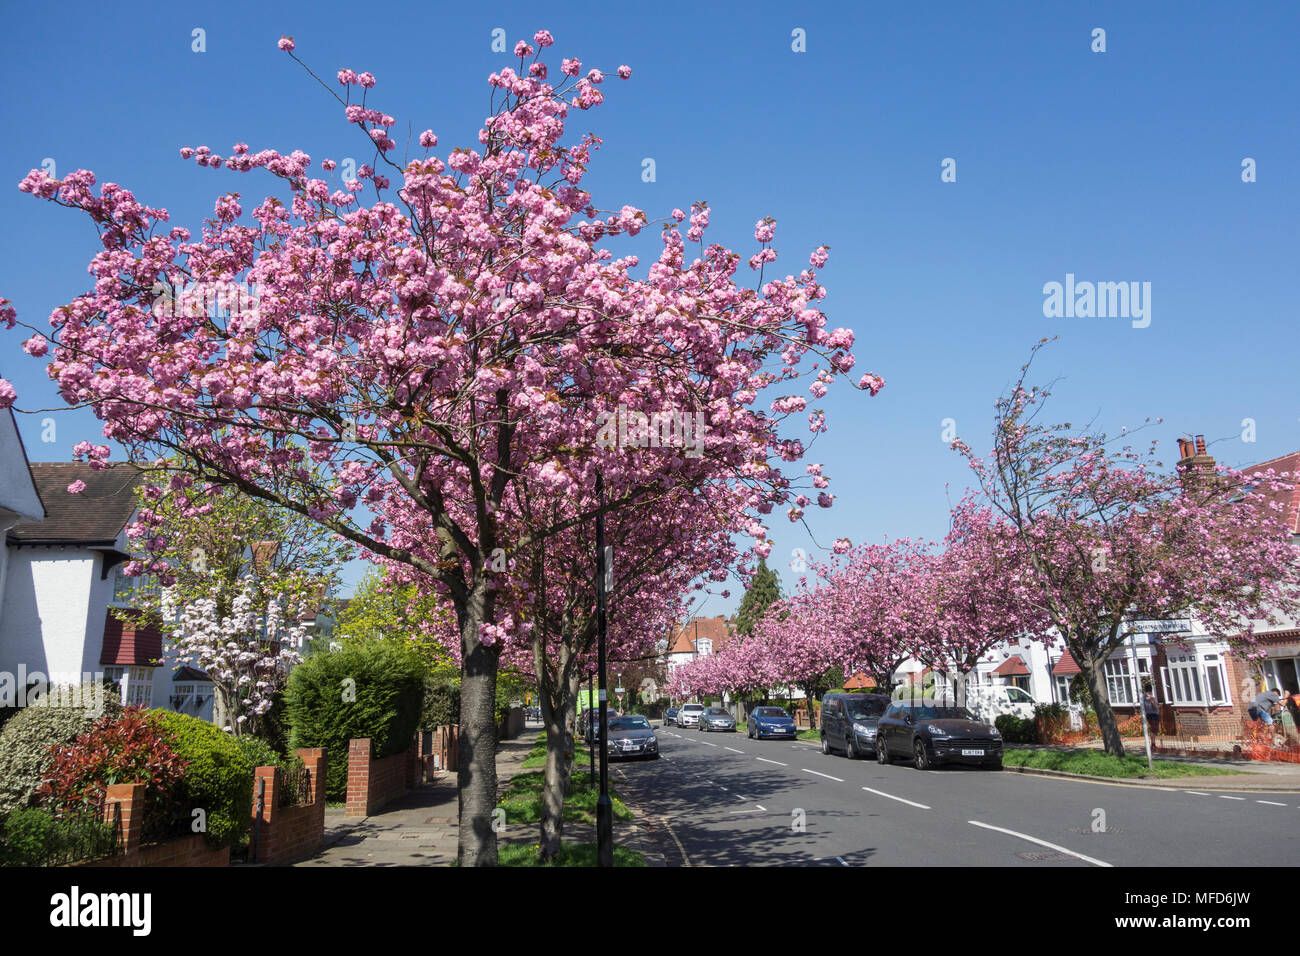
[[777, 762], [739, 797], [841, 859], [733, 750], [820, 774], [1198, 793], [1271, 803], [707, 744], [881, 793], [1050, 846], [761, 807], [1225, 797]]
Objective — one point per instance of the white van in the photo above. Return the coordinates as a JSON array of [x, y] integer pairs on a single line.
[[988, 702]]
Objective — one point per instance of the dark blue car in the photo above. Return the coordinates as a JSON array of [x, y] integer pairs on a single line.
[[770, 722]]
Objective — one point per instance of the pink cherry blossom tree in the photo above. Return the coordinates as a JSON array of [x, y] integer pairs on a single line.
[[1107, 534], [397, 363]]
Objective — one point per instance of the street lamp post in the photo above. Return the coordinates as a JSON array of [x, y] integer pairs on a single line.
[[604, 808]]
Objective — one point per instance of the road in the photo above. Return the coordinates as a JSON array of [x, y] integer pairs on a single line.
[[725, 800]]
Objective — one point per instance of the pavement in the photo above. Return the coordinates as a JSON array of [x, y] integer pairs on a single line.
[[420, 828]]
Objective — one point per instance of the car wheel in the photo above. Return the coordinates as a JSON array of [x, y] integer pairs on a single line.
[[920, 756], [882, 752], [750, 731], [826, 745], [851, 747]]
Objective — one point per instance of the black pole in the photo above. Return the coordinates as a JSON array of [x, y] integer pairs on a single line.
[[591, 736], [604, 808]]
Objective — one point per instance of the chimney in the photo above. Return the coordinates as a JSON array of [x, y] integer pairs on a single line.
[[1194, 455]]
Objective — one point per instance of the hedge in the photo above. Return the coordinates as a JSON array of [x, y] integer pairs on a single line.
[[218, 778], [370, 690]]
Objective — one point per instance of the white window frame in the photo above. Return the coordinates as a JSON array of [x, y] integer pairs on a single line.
[[1189, 672], [1062, 684], [1119, 678], [136, 684]]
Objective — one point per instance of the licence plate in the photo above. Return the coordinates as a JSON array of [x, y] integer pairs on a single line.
[[972, 753]]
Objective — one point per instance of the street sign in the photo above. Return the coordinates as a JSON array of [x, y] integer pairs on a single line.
[[1157, 627]]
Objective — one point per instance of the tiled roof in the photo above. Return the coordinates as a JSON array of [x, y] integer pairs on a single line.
[[681, 637], [859, 680], [1289, 497], [1013, 666], [126, 645], [96, 516], [1064, 666]]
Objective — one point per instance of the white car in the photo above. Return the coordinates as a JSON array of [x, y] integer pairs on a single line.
[[689, 715], [990, 702]]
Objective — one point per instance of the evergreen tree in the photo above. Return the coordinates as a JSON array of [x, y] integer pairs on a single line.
[[764, 589]]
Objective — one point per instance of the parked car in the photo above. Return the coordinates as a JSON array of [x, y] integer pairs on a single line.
[[715, 718], [688, 715], [588, 727], [632, 736], [770, 722], [670, 716], [933, 735], [848, 722], [988, 702]]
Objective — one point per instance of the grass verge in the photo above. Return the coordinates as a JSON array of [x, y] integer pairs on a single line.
[[571, 854], [1094, 763], [522, 800]]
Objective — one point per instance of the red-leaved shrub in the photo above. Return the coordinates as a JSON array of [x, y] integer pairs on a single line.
[[129, 747]]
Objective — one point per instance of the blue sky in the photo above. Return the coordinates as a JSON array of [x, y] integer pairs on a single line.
[[1115, 166]]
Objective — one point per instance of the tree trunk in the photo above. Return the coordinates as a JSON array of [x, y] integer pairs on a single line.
[[1093, 673], [558, 716], [477, 776]]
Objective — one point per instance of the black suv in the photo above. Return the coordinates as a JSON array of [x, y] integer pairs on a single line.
[[934, 734], [849, 722]]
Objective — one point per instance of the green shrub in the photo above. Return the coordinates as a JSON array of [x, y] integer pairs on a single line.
[[218, 779], [370, 690], [35, 837], [258, 752], [441, 706], [1017, 730], [51, 721]]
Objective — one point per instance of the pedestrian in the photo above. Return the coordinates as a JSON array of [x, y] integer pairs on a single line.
[[1264, 704], [1151, 708]]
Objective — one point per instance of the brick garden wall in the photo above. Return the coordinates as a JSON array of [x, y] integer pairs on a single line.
[[373, 783], [286, 834], [185, 851]]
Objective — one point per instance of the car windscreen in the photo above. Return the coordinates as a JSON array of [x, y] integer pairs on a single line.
[[717, 712], [770, 712], [629, 723], [866, 708], [941, 713]]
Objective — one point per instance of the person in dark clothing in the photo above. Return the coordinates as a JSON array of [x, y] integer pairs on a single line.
[[1151, 709], [1265, 704]]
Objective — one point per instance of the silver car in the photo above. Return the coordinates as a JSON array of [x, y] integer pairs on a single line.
[[689, 715], [715, 718]]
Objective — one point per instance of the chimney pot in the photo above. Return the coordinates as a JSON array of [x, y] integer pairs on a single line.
[[1200, 444]]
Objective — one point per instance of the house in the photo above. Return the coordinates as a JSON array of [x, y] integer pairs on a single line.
[[20, 502], [698, 637], [1203, 687], [63, 577]]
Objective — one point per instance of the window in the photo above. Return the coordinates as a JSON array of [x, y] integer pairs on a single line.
[[136, 684], [704, 646], [1119, 685], [1200, 681], [1062, 688]]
